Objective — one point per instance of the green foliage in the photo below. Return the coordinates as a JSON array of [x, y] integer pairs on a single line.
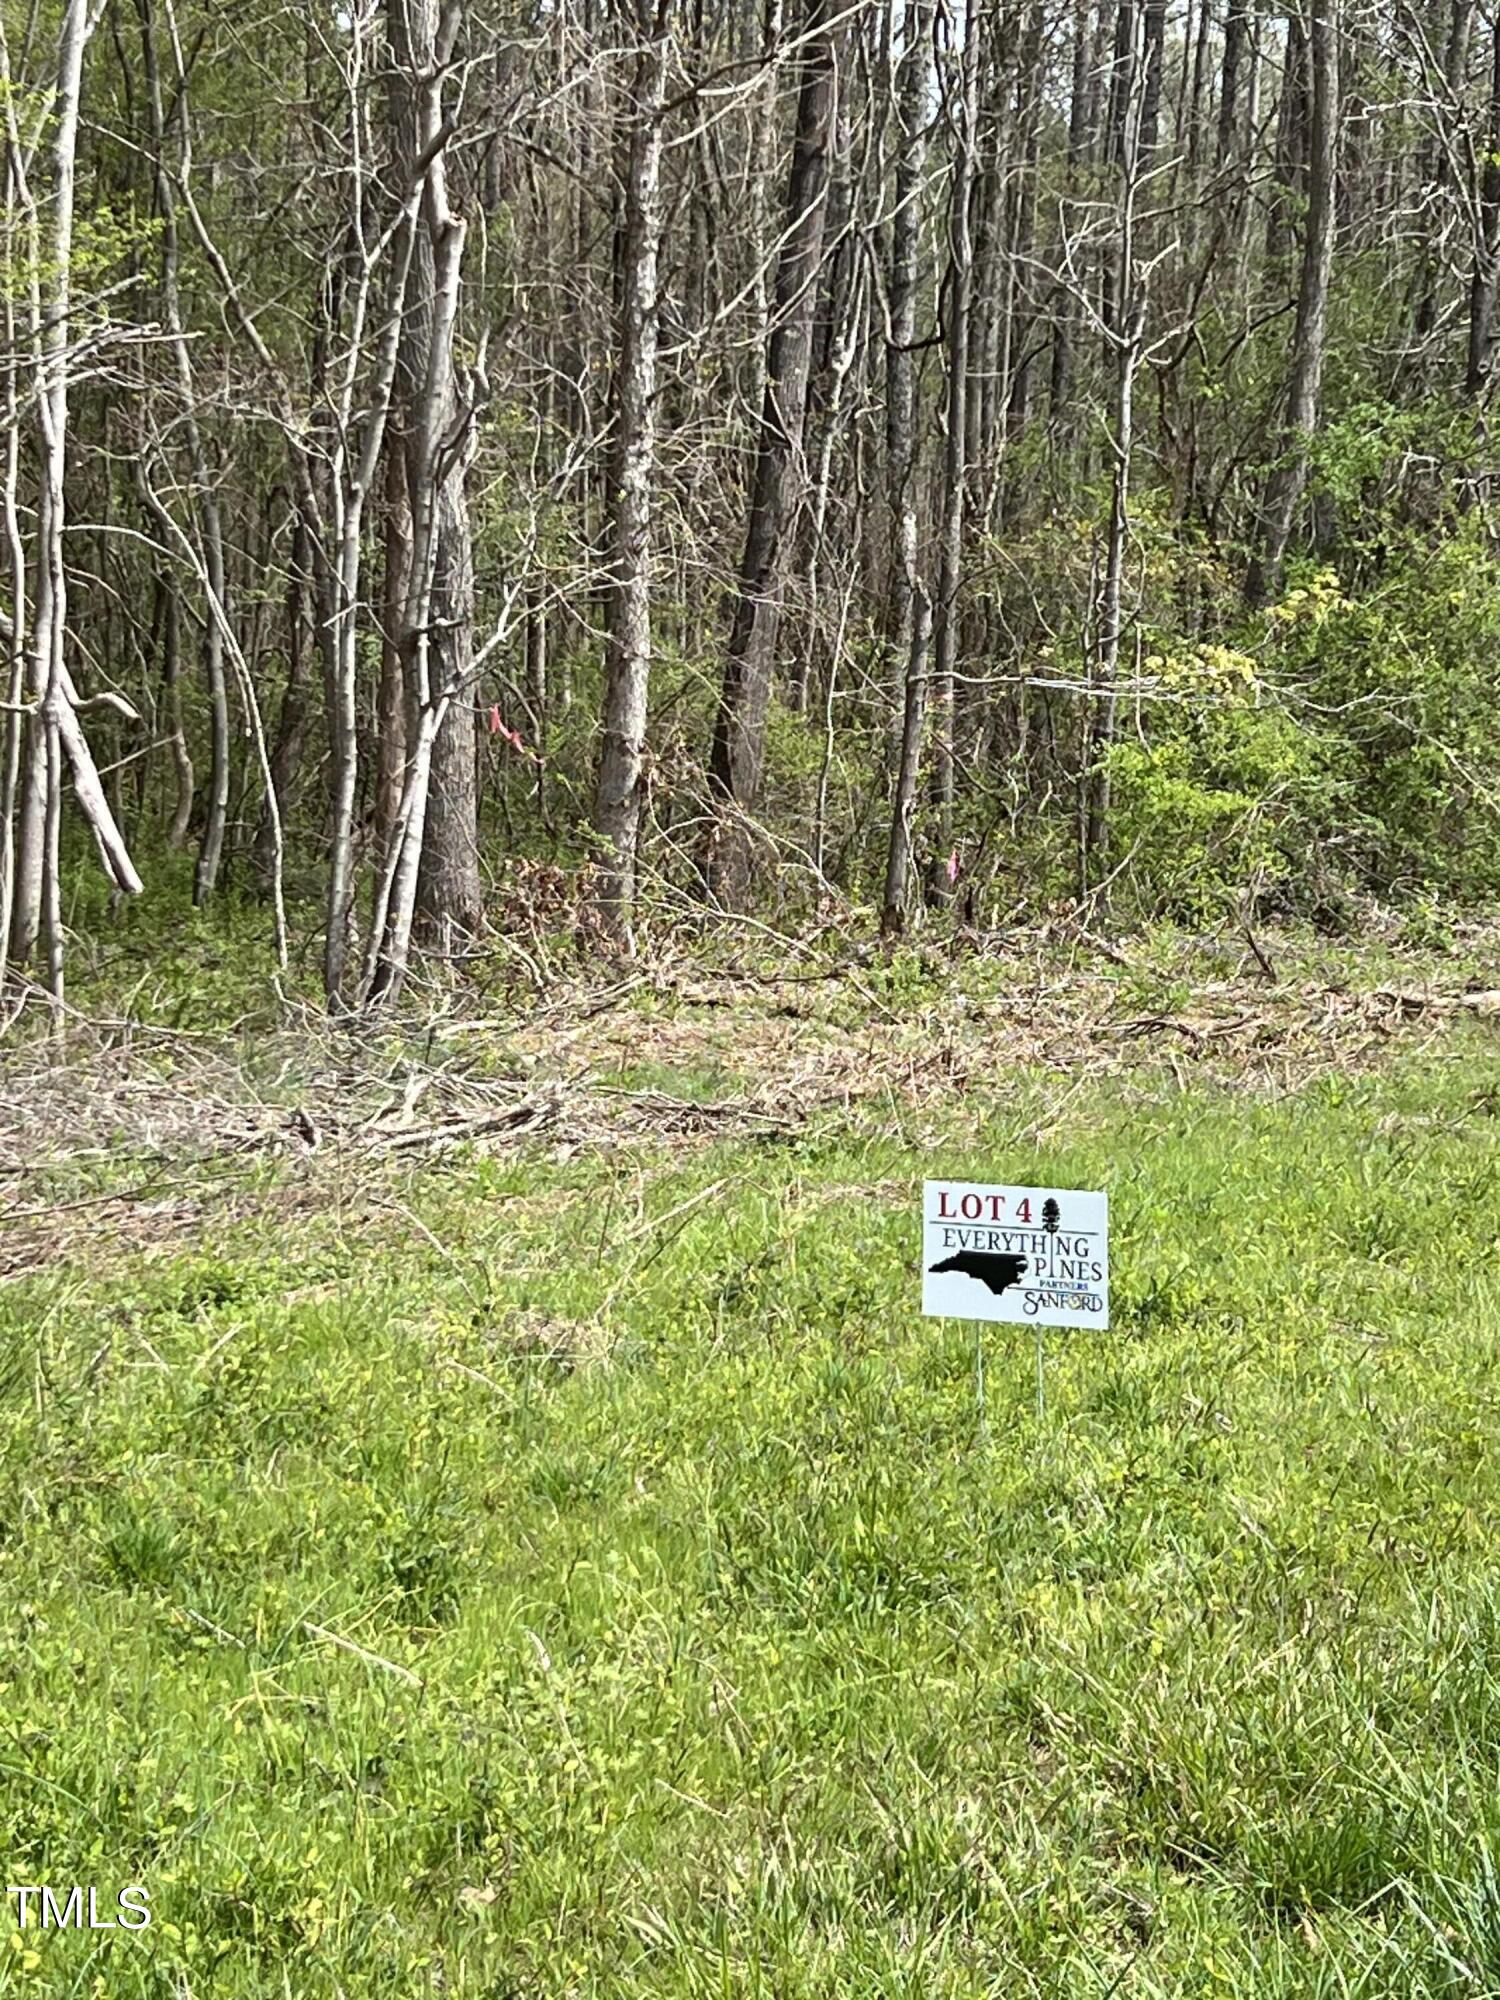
[[1402, 684], [1211, 809], [1342, 741]]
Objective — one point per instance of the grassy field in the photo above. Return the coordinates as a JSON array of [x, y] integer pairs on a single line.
[[551, 1568]]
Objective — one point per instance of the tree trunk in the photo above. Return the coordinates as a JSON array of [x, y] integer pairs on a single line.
[[54, 729], [911, 614], [620, 790], [450, 895], [737, 754], [433, 863], [1236, 25], [1293, 140], [437, 634], [1483, 284], [1023, 233], [1309, 338], [291, 722], [1433, 162], [1061, 403], [1139, 104], [942, 861], [182, 762], [205, 489], [390, 700]]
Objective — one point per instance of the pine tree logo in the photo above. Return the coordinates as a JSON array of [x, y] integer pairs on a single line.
[[1051, 1215]]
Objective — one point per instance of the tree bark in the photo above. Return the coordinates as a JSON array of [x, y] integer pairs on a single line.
[[433, 863], [436, 639], [205, 489], [1061, 404], [292, 720], [619, 794], [942, 862], [54, 730], [1309, 339], [737, 754], [391, 699], [911, 612], [1486, 272], [1139, 104]]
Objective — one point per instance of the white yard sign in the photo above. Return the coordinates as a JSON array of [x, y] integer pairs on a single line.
[[1030, 1256]]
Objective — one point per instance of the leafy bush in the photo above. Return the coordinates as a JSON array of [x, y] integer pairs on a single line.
[[1402, 686], [1211, 810]]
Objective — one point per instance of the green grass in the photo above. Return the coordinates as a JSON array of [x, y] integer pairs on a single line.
[[713, 1652]]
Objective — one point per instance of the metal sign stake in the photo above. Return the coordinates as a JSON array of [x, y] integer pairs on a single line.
[[984, 1429]]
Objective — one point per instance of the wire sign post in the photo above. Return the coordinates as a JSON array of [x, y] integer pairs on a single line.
[[1035, 1257]]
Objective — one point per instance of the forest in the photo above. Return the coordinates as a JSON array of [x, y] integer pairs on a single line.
[[921, 463]]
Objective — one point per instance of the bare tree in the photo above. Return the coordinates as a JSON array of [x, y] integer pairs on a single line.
[[963, 116], [1485, 279], [737, 755], [438, 869], [54, 732], [620, 790], [204, 491], [1125, 326], [1310, 335], [912, 618]]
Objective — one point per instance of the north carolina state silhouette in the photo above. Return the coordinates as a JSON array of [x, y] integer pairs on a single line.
[[997, 1271]]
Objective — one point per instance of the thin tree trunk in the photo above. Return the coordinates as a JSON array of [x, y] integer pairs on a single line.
[[836, 340], [390, 699], [1236, 25], [1061, 410], [942, 862], [182, 762], [291, 723], [433, 860], [1017, 382], [55, 729], [450, 895], [1293, 145], [902, 842], [205, 491], [1486, 272], [1139, 103], [737, 754], [1433, 164], [1111, 599], [911, 612], [18, 335], [438, 624], [619, 794], [1309, 338], [761, 231]]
